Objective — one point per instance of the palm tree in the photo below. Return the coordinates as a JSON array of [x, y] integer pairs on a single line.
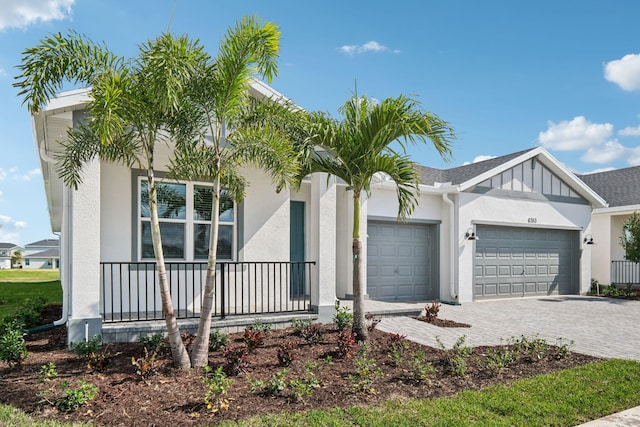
[[219, 128], [131, 101], [371, 139]]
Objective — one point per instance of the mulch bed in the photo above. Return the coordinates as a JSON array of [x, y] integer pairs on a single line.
[[176, 398], [442, 323]]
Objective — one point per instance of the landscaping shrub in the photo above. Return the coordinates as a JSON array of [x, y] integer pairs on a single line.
[[13, 348]]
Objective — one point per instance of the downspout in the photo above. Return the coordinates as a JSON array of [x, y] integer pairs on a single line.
[[63, 283], [452, 248]]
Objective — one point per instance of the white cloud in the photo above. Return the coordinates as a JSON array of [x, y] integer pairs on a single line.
[[371, 46], [480, 158], [577, 134], [624, 72], [630, 131], [9, 229], [633, 157], [3, 73], [15, 174], [21, 14], [597, 170], [604, 153], [26, 176]]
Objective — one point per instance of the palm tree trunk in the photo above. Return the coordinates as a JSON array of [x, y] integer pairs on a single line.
[[200, 353], [178, 350], [359, 325]]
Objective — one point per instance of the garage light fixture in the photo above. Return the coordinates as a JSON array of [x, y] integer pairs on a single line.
[[470, 235], [588, 240]]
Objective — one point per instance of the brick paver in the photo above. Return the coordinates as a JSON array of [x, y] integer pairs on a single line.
[[601, 327]]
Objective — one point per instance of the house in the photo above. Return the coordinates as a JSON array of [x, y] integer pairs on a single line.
[[6, 253], [43, 254], [508, 227], [621, 189]]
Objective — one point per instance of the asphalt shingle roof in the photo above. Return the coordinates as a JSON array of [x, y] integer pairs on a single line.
[[47, 243], [461, 174], [8, 245], [619, 187], [49, 253]]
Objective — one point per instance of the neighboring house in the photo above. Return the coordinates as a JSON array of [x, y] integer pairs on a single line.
[[6, 252], [43, 254], [621, 189], [511, 226]]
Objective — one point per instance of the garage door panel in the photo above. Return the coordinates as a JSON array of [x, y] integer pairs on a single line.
[[403, 261], [546, 257]]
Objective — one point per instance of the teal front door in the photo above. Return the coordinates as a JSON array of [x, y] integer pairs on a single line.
[[296, 248]]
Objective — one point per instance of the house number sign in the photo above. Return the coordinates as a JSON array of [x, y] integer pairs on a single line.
[[532, 220]]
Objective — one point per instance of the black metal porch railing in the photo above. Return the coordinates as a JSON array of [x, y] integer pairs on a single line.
[[130, 290], [625, 272]]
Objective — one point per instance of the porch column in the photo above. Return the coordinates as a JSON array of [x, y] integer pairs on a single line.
[[81, 229], [323, 245]]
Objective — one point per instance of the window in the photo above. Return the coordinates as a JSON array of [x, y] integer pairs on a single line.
[[184, 211], [26, 261]]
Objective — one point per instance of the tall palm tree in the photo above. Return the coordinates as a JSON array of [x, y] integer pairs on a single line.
[[131, 102], [372, 138], [219, 128]]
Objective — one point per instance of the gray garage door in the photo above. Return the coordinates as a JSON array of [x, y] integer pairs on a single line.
[[517, 262], [401, 261]]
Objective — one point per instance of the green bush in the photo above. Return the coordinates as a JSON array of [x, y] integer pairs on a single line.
[[217, 340], [343, 317], [217, 385], [153, 343], [73, 398], [13, 349]]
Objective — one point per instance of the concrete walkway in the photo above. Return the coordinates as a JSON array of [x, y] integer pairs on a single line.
[[601, 327]]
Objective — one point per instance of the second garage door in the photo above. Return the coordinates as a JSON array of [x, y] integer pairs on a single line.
[[402, 261], [517, 262]]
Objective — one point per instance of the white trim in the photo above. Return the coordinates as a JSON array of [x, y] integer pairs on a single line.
[[617, 209]]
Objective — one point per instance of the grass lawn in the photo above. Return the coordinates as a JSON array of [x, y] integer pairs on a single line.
[[18, 286], [565, 398]]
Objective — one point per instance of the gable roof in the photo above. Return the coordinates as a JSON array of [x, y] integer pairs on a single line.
[[466, 177], [619, 187], [46, 243], [461, 174], [49, 253], [8, 245]]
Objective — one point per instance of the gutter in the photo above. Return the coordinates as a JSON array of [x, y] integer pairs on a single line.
[[452, 248]]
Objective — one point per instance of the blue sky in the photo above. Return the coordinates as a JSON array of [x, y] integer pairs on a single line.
[[507, 75]]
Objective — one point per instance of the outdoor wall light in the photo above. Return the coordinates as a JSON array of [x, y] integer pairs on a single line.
[[470, 235], [588, 240]]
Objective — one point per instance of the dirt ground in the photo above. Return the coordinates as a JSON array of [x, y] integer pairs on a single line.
[[176, 398]]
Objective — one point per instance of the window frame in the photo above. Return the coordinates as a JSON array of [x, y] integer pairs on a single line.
[[188, 222]]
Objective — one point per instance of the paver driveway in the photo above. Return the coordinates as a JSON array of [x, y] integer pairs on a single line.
[[601, 327]]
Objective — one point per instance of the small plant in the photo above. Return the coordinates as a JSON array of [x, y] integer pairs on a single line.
[[154, 343], [29, 314], [285, 353], [217, 340], [217, 385], [13, 348], [498, 359], [145, 365], [563, 348], [47, 372], [421, 370], [366, 373], [372, 321], [84, 349], [343, 317], [531, 349], [253, 339], [277, 384], [398, 345], [431, 311], [456, 357], [236, 360], [346, 343], [300, 325], [92, 353], [259, 326], [311, 333], [72, 398]]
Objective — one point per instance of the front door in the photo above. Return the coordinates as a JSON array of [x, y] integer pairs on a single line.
[[296, 248]]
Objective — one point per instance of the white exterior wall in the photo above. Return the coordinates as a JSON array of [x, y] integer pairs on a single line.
[[601, 253], [487, 210], [266, 225], [83, 230], [115, 213]]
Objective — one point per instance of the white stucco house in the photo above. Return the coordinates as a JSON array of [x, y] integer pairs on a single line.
[[621, 189], [6, 253], [509, 227], [43, 254]]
